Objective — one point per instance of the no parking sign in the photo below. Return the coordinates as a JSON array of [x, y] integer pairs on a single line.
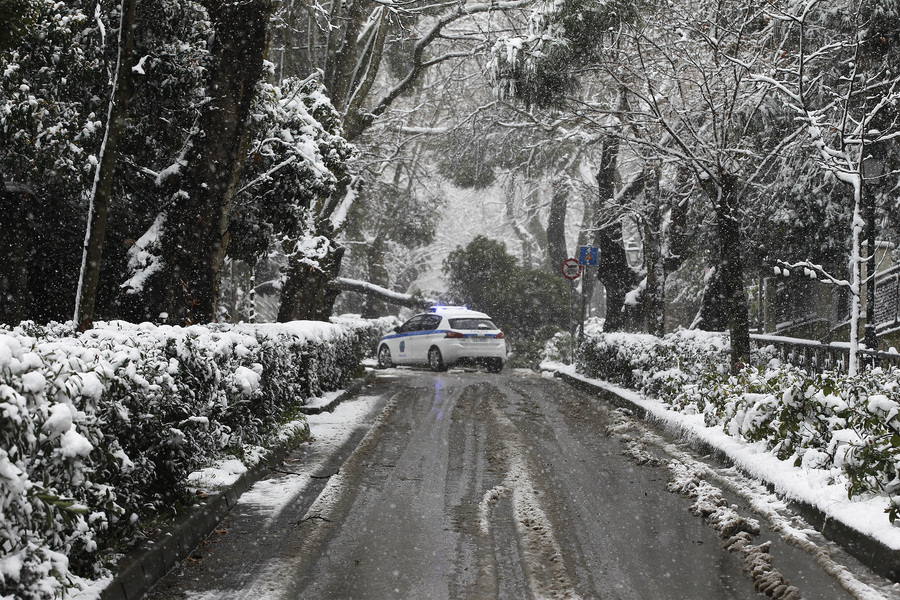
[[571, 269]]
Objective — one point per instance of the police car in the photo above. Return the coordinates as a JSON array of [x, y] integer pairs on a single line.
[[445, 336]]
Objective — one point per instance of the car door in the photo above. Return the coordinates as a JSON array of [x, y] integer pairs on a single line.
[[401, 344], [423, 338]]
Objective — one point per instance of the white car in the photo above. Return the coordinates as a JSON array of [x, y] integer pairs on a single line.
[[445, 336]]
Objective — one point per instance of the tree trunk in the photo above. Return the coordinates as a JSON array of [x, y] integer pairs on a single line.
[[196, 231], [386, 296], [309, 293], [732, 270], [528, 241], [14, 247], [556, 225], [676, 236], [373, 306], [586, 237], [654, 293], [615, 275], [86, 296], [613, 270], [713, 313]]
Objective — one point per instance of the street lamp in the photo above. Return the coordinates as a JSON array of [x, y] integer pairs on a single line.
[[871, 168]]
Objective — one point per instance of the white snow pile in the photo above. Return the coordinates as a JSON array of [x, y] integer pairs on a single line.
[[102, 429], [839, 435]]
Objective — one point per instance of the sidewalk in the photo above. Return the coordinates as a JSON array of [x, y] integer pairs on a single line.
[[141, 568], [861, 528]]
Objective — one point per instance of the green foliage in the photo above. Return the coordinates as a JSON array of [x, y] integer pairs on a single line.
[[16, 15], [296, 161], [881, 34], [654, 365], [558, 348], [465, 162], [582, 25], [395, 213], [530, 306], [53, 103]]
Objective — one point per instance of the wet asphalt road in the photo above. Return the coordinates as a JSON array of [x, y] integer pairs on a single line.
[[472, 485]]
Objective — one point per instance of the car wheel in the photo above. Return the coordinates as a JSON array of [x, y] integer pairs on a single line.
[[384, 358], [495, 366], [435, 360]]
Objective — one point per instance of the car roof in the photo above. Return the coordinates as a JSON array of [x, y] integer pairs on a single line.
[[456, 312]]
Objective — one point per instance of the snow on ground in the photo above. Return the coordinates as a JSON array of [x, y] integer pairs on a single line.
[[221, 475], [324, 400], [810, 486], [330, 430], [271, 497]]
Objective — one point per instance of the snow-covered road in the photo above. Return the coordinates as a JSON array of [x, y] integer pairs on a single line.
[[469, 485]]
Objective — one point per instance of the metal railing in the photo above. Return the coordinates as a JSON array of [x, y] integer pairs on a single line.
[[817, 357]]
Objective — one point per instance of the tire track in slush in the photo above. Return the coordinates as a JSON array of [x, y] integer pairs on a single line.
[[541, 555], [326, 511]]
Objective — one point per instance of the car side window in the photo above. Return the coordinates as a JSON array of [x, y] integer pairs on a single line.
[[430, 322], [413, 324]]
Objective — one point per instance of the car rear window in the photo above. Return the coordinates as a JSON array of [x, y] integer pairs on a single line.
[[472, 324]]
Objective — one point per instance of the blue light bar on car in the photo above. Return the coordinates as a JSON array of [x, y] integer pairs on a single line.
[[435, 309]]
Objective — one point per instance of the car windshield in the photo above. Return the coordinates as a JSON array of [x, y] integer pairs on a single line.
[[472, 323]]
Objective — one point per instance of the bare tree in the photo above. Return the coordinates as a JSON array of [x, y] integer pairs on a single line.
[[369, 55], [835, 74], [672, 102]]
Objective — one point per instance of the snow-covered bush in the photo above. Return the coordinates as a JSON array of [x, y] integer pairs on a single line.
[[846, 426], [647, 362], [101, 429], [557, 348], [371, 335]]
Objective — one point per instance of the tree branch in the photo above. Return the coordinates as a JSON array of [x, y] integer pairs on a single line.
[[384, 294]]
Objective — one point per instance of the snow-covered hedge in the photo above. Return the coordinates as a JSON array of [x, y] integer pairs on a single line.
[[651, 364], [847, 427], [100, 430]]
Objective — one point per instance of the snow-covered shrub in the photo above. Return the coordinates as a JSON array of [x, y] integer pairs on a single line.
[[615, 356], [556, 349], [101, 429], [847, 426], [786, 407], [377, 329], [647, 362]]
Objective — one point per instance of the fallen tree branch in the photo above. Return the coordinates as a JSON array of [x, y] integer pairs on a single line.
[[384, 294]]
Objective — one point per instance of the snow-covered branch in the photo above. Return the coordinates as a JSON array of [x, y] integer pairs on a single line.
[[811, 270], [418, 62], [384, 294]]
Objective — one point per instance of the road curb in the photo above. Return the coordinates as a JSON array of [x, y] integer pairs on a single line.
[[143, 566], [880, 558]]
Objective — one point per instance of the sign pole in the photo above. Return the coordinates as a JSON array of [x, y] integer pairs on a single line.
[[583, 309], [588, 256], [571, 270], [571, 321]]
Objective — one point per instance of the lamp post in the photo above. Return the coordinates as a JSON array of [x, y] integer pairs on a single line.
[[871, 168]]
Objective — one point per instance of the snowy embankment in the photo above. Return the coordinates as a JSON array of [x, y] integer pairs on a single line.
[[102, 430], [825, 440]]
